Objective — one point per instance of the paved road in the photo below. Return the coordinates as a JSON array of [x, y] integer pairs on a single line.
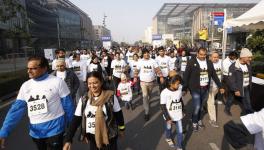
[[141, 135]]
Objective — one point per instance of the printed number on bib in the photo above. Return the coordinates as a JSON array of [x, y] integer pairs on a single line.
[[204, 79], [37, 107], [90, 125], [175, 107]]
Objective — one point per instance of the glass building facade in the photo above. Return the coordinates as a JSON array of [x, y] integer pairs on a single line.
[[48, 24], [185, 20]]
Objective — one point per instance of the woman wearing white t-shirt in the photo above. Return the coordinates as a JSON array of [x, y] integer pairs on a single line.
[[171, 106], [100, 117]]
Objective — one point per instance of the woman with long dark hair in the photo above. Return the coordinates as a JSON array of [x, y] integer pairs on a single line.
[[100, 116]]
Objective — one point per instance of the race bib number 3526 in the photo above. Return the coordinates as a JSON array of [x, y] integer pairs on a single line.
[[37, 107]]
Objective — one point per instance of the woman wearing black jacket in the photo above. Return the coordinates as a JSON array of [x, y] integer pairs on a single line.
[[101, 129]]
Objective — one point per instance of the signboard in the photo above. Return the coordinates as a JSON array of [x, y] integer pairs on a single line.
[[107, 44], [217, 13], [156, 37], [49, 53], [106, 38], [218, 18]]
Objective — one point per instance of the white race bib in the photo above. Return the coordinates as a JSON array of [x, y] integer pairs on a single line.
[[183, 65], [90, 119], [90, 125], [175, 107], [175, 111], [37, 107], [204, 79], [246, 79]]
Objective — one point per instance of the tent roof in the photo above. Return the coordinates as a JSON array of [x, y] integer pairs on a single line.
[[252, 16]]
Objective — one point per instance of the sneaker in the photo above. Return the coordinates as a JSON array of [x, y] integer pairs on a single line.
[[179, 149], [146, 117], [200, 124], [195, 127], [170, 142], [227, 112], [213, 124]]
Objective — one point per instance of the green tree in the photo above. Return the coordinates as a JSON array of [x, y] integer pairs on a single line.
[[18, 32], [256, 41], [9, 9]]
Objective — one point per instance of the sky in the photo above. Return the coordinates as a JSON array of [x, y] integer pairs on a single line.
[[127, 19]]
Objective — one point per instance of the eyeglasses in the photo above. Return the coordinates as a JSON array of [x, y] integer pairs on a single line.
[[35, 68]]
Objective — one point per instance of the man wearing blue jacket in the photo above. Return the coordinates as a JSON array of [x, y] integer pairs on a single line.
[[48, 103]]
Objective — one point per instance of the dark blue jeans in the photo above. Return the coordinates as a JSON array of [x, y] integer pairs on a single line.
[[198, 98], [246, 101], [179, 136], [229, 100]]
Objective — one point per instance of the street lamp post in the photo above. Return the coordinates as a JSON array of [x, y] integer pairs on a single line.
[[58, 30]]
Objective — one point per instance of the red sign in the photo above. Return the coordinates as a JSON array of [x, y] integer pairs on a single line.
[[217, 13]]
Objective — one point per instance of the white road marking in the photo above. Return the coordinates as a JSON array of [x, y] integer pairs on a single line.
[[214, 146]]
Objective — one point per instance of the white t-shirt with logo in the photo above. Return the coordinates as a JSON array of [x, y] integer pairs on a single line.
[[80, 69], [118, 67], [94, 67], [218, 71], [133, 66], [61, 75], [172, 63], [172, 101], [204, 77], [129, 56], [244, 69], [85, 57], [183, 63], [105, 61], [147, 70], [43, 98], [90, 113], [226, 64], [164, 63], [125, 91]]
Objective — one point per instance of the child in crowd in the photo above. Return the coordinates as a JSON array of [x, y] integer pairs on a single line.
[[124, 91], [172, 109]]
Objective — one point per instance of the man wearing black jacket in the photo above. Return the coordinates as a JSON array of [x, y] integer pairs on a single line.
[[240, 81], [196, 78]]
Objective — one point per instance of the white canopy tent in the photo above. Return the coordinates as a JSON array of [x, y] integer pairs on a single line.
[[252, 16]]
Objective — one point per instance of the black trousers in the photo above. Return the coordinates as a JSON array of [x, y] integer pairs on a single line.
[[111, 146], [162, 86], [51, 143], [116, 81]]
